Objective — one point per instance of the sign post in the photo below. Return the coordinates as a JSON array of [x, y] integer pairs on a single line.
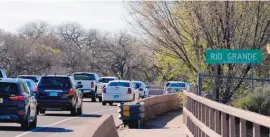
[[227, 56]]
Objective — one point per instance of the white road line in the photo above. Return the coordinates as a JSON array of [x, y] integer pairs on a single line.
[[36, 129]]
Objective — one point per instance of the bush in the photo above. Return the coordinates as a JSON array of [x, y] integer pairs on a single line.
[[181, 98], [257, 101]]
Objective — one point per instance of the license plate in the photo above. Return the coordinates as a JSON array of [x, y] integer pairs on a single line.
[[53, 94], [116, 96], [1, 100]]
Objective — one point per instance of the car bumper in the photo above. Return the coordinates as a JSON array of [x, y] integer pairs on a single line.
[[117, 98], [55, 105], [10, 118]]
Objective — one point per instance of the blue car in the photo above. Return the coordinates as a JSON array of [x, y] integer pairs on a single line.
[[59, 93], [17, 103]]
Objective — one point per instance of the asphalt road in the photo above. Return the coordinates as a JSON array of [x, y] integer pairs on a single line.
[[58, 124]]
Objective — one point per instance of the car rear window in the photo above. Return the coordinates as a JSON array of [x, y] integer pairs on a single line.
[[55, 82], [119, 84], [177, 85], [137, 84], [8, 88], [167, 84], [84, 77], [106, 80], [29, 77]]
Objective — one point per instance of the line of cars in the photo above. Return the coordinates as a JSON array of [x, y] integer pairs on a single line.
[[24, 97]]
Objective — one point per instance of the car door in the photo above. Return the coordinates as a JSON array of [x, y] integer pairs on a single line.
[[31, 99]]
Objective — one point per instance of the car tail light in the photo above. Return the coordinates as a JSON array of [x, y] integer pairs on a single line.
[[17, 98], [36, 89], [71, 92], [92, 85], [104, 90], [140, 89], [129, 91]]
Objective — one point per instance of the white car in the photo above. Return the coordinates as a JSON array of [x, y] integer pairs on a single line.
[[174, 87], [103, 81], [35, 78], [89, 81], [118, 91], [142, 88]]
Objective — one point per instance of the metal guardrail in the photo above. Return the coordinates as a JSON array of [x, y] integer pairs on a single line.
[[131, 114]]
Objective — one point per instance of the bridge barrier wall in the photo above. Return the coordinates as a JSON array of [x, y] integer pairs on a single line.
[[104, 127], [157, 105], [204, 117]]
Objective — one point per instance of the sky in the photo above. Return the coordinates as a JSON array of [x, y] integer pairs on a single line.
[[100, 14]]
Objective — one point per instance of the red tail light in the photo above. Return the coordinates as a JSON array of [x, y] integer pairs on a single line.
[[71, 92], [92, 85], [104, 90], [36, 89], [17, 98], [129, 91]]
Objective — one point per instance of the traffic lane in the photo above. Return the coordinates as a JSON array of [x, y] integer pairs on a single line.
[[52, 119]]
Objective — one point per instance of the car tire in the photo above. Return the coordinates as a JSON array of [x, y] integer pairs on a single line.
[[104, 103], [80, 110], [111, 103], [100, 99], [25, 124], [94, 99], [73, 111], [42, 111], [33, 124]]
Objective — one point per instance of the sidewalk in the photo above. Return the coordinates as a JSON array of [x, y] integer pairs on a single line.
[[167, 125]]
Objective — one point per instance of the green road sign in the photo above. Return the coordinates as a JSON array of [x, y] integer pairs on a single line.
[[233, 56]]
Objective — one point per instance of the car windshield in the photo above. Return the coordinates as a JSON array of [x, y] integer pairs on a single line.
[[84, 76], [29, 77], [55, 82], [137, 85], [30, 84], [106, 80], [119, 84], [8, 88], [180, 85]]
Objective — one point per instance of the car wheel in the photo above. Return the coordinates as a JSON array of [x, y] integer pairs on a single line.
[[25, 124], [73, 111], [111, 103], [42, 111], [94, 99], [79, 110], [104, 103], [100, 99], [33, 124]]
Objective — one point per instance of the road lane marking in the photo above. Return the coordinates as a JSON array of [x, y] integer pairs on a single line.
[[36, 129]]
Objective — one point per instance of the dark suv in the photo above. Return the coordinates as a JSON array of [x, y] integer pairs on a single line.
[[17, 103], [59, 93]]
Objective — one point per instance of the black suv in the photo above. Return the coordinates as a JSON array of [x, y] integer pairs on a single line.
[[17, 103], [59, 93]]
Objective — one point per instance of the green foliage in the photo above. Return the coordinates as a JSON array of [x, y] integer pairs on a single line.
[[257, 101]]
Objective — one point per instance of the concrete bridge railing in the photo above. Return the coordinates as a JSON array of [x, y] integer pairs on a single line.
[[204, 117]]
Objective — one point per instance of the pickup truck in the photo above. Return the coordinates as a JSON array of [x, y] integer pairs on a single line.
[[103, 81], [89, 81]]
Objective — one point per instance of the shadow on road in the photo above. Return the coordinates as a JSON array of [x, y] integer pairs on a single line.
[[10, 128], [90, 115], [59, 115], [53, 129]]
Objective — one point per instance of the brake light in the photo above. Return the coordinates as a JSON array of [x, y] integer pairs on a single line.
[[36, 89], [17, 98], [71, 92], [129, 91], [104, 90], [92, 85], [140, 89]]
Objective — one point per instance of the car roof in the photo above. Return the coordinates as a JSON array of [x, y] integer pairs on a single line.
[[28, 80], [177, 82], [108, 77], [64, 76], [30, 75], [120, 81], [84, 73], [11, 80], [138, 81]]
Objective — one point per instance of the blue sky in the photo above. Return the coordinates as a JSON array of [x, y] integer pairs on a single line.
[[104, 15]]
